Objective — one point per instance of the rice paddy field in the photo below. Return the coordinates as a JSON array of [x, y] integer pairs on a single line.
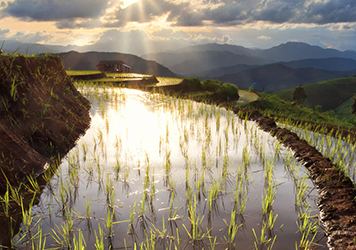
[[159, 172]]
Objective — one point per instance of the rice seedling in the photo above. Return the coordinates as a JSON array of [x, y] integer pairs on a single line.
[[79, 244], [240, 197], [33, 187], [63, 235], [87, 208], [196, 233], [268, 199], [168, 164], [263, 240], [99, 240], [213, 194], [305, 242], [5, 202], [40, 244], [232, 230], [27, 217]]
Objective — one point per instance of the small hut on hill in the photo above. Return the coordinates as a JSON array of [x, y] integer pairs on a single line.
[[117, 66]]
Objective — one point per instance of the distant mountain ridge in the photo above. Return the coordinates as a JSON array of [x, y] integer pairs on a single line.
[[189, 64], [178, 60], [280, 67], [330, 64], [87, 61]]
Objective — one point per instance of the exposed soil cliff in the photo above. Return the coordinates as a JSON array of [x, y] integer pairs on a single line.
[[41, 115]]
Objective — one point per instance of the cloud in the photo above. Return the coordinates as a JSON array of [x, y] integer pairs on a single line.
[[75, 14], [55, 10], [3, 32], [170, 34], [180, 14], [333, 11], [31, 37], [264, 38]]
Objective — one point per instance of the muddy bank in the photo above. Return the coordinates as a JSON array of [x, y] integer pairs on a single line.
[[88, 77], [336, 191], [41, 115]]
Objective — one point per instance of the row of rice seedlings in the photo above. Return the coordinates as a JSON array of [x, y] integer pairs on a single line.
[[307, 225], [269, 190], [340, 151]]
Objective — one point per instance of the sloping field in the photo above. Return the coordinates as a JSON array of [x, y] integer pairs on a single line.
[[344, 110], [329, 94]]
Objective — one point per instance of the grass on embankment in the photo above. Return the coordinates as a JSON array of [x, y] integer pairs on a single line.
[[271, 105], [328, 94], [344, 110]]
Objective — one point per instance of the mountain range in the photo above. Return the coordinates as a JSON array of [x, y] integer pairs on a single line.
[[281, 67], [211, 57]]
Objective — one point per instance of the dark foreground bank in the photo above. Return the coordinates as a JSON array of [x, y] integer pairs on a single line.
[[41, 116]]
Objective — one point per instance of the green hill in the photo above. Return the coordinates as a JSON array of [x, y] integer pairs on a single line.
[[328, 94], [344, 110]]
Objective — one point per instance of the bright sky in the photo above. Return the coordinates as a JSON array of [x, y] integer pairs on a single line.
[[168, 24]]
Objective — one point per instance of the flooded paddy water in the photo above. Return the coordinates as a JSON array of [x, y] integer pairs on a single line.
[[158, 172]]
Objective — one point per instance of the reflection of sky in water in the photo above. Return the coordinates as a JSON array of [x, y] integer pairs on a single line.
[[134, 132]]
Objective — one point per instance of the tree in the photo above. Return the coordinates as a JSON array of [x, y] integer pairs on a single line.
[[353, 105], [299, 95]]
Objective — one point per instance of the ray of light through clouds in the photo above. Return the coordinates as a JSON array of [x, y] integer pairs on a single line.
[[144, 26]]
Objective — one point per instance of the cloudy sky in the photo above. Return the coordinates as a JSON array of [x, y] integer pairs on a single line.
[[123, 25]]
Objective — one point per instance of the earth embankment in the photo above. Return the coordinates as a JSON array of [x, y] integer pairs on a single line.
[[41, 115]]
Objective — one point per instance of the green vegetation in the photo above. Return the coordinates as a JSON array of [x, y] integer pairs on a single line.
[[344, 110], [209, 90], [81, 72], [164, 81], [271, 105], [299, 95], [353, 106], [328, 94]]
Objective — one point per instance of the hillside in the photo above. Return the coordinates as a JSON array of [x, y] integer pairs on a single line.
[[329, 94], [344, 110], [215, 73], [87, 61], [275, 77], [42, 115], [332, 64]]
